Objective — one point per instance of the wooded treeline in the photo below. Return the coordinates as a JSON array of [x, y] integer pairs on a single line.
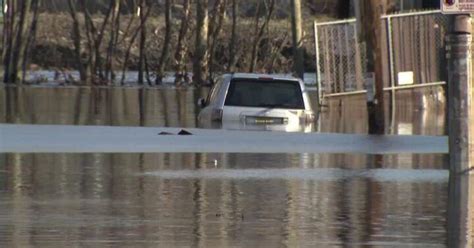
[[18, 34], [247, 8], [106, 38]]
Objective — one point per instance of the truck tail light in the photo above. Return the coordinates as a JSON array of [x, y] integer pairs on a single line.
[[449, 2], [216, 115]]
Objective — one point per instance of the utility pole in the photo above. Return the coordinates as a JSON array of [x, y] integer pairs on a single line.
[[297, 31], [369, 25], [460, 79], [460, 126], [460, 130]]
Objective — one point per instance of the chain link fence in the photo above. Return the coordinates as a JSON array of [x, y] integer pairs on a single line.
[[417, 45], [339, 57], [414, 51]]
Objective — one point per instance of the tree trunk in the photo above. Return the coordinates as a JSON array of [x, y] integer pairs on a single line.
[[215, 29], [142, 44], [201, 54], [16, 35], [113, 41], [3, 9], [297, 31], [141, 68], [369, 13], [95, 37], [233, 38], [181, 48], [20, 41], [275, 52], [19, 29], [253, 55], [135, 34], [31, 38], [166, 45], [7, 41], [259, 33], [76, 37]]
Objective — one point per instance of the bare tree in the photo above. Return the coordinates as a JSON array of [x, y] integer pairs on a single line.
[[166, 44], [31, 37], [19, 28], [181, 48], [233, 38], [95, 36], [102, 39], [143, 19], [93, 69], [134, 36], [113, 40], [76, 37], [276, 50], [201, 53], [215, 27], [259, 30]]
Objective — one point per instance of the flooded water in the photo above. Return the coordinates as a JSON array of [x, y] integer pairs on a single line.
[[216, 199]]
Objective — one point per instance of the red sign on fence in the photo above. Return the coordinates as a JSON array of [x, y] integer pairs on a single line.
[[457, 6]]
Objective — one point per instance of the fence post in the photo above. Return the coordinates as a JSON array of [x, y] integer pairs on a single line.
[[391, 69], [318, 69], [460, 79]]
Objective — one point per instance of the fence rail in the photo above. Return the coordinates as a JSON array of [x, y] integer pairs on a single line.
[[414, 53]]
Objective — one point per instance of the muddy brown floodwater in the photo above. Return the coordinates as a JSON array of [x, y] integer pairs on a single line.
[[217, 200]]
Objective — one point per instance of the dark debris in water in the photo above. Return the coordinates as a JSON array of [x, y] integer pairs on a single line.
[[165, 133], [182, 132]]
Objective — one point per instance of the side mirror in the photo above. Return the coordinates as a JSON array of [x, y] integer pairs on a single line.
[[201, 102]]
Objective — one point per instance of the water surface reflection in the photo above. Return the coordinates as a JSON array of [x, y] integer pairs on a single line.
[[415, 112], [216, 200], [125, 106], [246, 200]]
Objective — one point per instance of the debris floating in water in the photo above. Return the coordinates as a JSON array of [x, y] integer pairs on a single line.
[[184, 132], [165, 133]]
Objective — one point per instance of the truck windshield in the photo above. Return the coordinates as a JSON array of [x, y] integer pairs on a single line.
[[265, 94]]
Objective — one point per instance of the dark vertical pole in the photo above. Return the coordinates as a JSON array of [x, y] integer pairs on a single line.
[[459, 94], [460, 211], [370, 32], [297, 31], [460, 112]]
